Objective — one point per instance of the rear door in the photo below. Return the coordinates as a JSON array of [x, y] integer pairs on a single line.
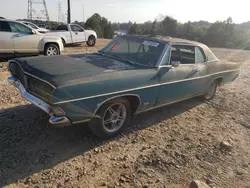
[[202, 68], [78, 34], [179, 82], [6, 40], [25, 41]]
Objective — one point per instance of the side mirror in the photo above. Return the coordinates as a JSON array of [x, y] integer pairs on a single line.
[[175, 63], [33, 32]]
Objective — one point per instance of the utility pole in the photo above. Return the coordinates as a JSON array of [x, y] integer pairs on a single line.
[[59, 19], [69, 15]]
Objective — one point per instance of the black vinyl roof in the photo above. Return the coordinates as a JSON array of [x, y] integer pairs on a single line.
[[168, 40]]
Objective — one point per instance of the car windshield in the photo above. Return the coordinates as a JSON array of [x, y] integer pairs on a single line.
[[135, 50]]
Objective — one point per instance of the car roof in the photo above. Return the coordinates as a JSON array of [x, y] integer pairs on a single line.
[[167, 40]]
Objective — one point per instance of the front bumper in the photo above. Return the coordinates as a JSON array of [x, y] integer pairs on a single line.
[[54, 120]]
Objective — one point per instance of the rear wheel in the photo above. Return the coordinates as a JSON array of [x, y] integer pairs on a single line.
[[111, 118], [51, 50], [209, 95], [91, 41]]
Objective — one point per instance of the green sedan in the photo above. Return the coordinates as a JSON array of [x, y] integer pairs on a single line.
[[131, 74]]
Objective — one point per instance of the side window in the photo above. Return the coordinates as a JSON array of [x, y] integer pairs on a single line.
[[165, 60], [185, 54], [62, 28], [32, 26], [76, 28], [19, 28], [199, 55], [4, 26]]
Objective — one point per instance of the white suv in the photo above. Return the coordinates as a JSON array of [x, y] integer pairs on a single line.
[[17, 38], [35, 27]]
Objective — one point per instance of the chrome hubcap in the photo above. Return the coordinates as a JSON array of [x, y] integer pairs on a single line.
[[52, 51], [114, 117]]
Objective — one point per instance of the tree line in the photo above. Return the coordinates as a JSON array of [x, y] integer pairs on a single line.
[[218, 34]]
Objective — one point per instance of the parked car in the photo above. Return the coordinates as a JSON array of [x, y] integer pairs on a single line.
[[18, 39], [73, 34], [35, 27], [130, 75]]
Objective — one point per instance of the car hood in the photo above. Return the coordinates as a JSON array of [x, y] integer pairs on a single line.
[[62, 70]]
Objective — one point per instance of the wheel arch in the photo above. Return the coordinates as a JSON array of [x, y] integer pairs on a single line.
[[91, 35], [55, 43], [63, 40], [133, 99], [218, 79]]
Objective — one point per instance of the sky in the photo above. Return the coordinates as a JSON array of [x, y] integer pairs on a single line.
[[136, 10]]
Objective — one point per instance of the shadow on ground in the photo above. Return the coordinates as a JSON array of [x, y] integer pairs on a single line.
[[29, 144]]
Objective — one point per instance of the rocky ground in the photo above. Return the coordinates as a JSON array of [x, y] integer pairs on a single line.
[[168, 147]]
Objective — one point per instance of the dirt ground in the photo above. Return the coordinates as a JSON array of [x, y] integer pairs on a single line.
[[168, 147]]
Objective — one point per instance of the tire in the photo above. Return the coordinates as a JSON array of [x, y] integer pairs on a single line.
[[91, 41], [113, 126], [51, 50], [209, 95]]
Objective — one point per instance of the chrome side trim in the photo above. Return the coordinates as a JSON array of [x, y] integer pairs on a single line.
[[30, 74], [165, 104], [82, 121], [143, 87]]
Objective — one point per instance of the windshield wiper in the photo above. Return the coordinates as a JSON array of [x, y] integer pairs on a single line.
[[100, 52]]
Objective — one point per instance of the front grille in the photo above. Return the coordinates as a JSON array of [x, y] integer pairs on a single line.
[[39, 88], [17, 72]]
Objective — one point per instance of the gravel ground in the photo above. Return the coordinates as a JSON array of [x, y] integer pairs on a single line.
[[167, 147]]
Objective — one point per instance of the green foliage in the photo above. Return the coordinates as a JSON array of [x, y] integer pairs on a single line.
[[135, 29], [219, 34], [100, 25]]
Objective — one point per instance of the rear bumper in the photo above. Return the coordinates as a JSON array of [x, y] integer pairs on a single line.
[[54, 120]]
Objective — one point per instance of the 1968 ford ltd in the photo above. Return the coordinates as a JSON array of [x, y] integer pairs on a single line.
[[129, 75]]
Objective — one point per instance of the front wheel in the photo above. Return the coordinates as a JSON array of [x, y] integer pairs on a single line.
[[209, 95], [51, 50], [111, 118], [91, 41]]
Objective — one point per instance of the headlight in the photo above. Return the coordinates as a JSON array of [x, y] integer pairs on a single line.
[[58, 111]]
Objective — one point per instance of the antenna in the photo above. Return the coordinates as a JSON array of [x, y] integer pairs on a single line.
[[37, 9]]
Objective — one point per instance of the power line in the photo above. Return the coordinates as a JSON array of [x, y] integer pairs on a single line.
[[37, 10]]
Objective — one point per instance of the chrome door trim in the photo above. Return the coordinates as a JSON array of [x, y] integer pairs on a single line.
[[138, 88]]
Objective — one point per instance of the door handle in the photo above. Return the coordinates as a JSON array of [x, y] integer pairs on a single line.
[[76, 33], [16, 35], [197, 69]]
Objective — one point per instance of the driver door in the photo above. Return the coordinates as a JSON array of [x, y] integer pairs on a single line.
[[78, 33], [25, 41], [179, 76]]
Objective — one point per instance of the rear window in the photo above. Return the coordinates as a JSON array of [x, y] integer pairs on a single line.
[[62, 28]]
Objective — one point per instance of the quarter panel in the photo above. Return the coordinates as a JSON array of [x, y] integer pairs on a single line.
[[82, 100]]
